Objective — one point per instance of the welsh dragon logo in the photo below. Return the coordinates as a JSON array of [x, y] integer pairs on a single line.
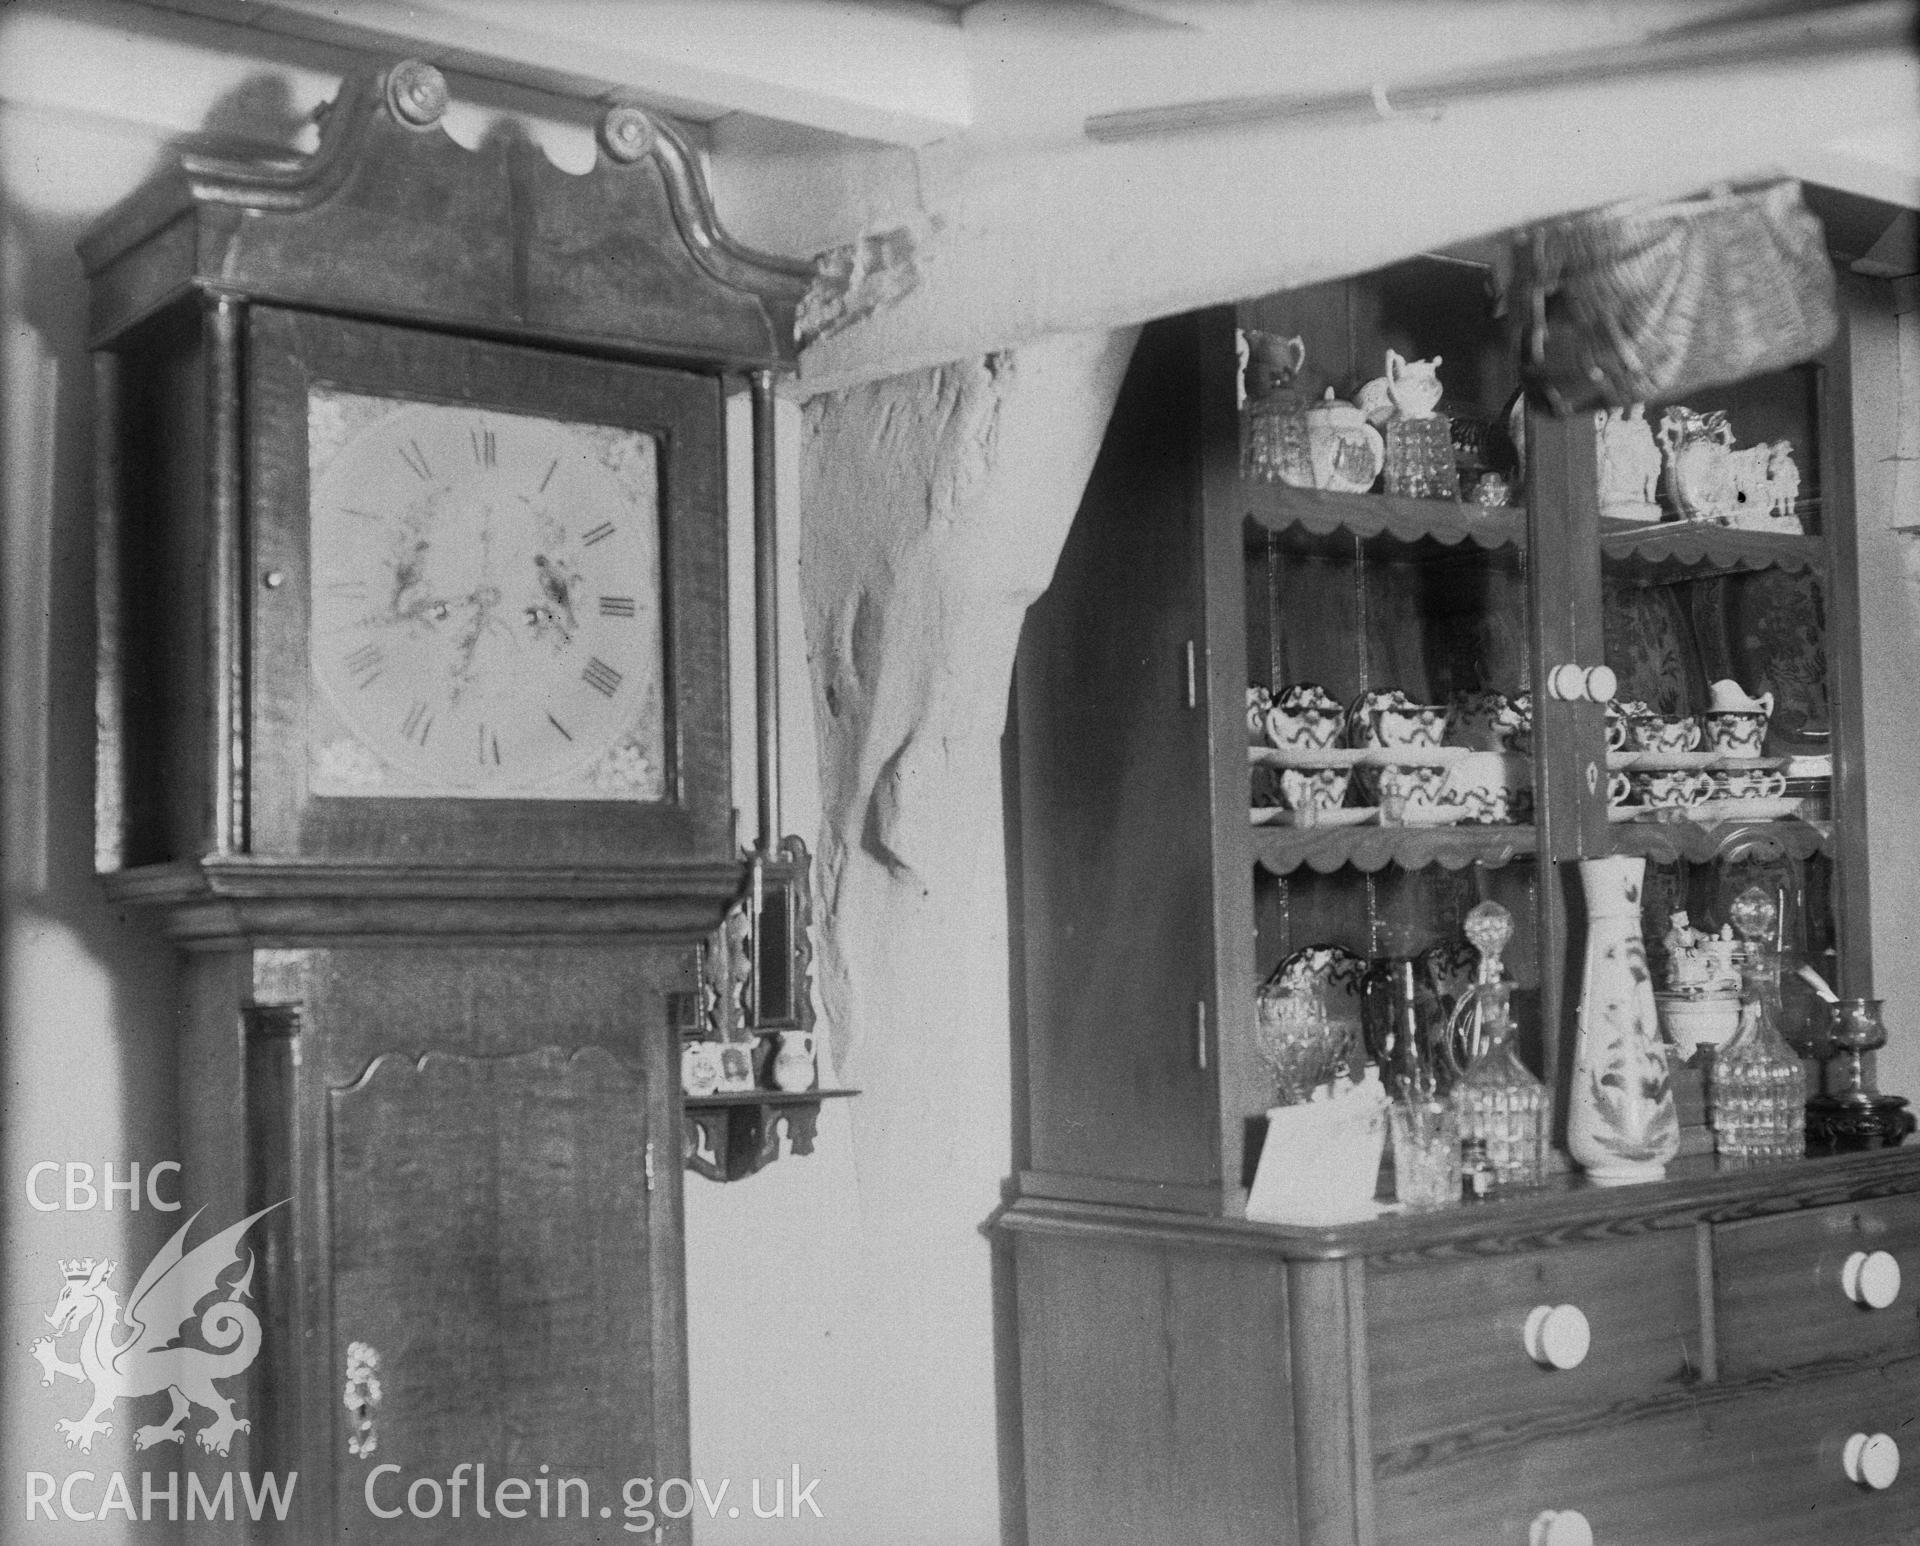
[[148, 1359]]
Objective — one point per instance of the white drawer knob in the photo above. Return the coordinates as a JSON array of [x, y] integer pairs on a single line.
[[1560, 1527], [1871, 1278], [1557, 1337], [1872, 1460]]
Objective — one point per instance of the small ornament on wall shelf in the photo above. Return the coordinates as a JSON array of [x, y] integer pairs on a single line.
[[753, 1011]]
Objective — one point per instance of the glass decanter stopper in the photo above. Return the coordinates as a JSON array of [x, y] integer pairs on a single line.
[[1488, 929], [1757, 1101], [1499, 1100]]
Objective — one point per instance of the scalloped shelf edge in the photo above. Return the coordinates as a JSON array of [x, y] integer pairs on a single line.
[[1281, 851], [1277, 507]]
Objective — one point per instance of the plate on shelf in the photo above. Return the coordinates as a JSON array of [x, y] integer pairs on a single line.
[[1303, 757], [1334, 969], [1618, 813], [1345, 816], [1758, 808], [1674, 762], [1750, 764], [1621, 762]]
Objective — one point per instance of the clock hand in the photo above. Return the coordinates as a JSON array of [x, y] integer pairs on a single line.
[[557, 586]]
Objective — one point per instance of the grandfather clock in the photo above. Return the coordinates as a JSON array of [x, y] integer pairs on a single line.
[[414, 736]]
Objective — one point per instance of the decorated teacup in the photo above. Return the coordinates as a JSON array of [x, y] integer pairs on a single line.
[[1621, 713], [1521, 740], [1490, 786], [1259, 701], [1392, 719], [1736, 732], [1416, 787], [1665, 732], [1485, 720], [1750, 783], [1673, 787], [1728, 695], [1304, 717], [1736, 721], [1619, 789], [1313, 791]]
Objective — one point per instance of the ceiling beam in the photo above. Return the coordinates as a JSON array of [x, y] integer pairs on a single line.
[[1088, 236], [896, 75]]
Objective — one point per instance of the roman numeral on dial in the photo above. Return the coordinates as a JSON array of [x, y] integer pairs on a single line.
[[414, 457], [489, 747], [418, 724], [601, 677], [616, 606], [484, 446], [599, 533], [365, 664]]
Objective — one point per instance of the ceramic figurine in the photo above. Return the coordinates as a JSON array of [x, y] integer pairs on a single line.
[[1629, 464], [1783, 485]]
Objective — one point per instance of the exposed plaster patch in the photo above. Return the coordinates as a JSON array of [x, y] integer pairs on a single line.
[[933, 508], [855, 280]]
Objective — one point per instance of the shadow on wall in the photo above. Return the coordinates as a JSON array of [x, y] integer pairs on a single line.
[[87, 1057]]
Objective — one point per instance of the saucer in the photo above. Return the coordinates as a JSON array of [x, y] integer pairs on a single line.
[[1445, 814], [1343, 816], [1303, 757], [1412, 756], [1756, 808]]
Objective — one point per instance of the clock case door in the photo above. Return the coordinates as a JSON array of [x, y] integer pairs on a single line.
[[288, 352]]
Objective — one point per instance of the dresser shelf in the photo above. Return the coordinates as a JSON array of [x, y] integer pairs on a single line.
[[1692, 550], [1282, 850]]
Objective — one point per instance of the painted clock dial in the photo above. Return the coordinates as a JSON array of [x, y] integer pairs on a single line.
[[485, 603]]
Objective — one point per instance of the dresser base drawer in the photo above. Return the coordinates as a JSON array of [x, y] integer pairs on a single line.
[[1761, 1467]]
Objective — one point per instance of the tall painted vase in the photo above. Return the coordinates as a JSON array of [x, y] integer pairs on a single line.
[[1621, 1125]]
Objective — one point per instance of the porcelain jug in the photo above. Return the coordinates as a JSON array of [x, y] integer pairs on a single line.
[[793, 1064], [1727, 696], [1699, 474], [1414, 385]]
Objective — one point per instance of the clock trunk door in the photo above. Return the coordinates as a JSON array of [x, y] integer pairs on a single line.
[[493, 1229]]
